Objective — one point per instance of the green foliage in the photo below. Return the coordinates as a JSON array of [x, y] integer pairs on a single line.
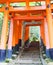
[[1, 5], [24, 4], [35, 4], [7, 61], [18, 4], [1, 21], [34, 33], [35, 39]]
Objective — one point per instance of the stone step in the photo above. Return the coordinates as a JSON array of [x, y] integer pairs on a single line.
[[30, 53], [31, 56], [27, 61], [28, 64]]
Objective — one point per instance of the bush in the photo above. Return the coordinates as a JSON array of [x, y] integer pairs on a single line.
[[35, 39]]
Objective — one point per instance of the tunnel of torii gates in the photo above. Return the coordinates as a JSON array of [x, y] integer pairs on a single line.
[[20, 19]]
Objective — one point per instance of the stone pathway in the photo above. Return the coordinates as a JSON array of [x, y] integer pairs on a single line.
[[29, 56]]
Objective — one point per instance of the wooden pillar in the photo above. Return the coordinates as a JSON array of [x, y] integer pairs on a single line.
[[26, 37], [16, 31], [9, 50], [20, 29], [50, 27], [4, 35], [42, 33], [14, 38], [16, 35], [23, 34], [26, 33], [20, 32], [46, 37]]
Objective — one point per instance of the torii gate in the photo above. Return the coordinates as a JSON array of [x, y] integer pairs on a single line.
[[16, 25]]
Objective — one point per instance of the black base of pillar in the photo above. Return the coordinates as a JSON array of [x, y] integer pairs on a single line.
[[17, 47], [2, 54], [13, 50], [48, 53], [42, 45], [51, 53], [9, 53], [44, 48], [27, 42], [19, 42]]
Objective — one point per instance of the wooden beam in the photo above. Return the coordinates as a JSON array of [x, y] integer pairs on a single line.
[[20, 9], [30, 23], [28, 17], [30, 9], [4, 1], [34, 25]]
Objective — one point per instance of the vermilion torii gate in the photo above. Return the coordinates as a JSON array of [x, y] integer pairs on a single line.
[[18, 16]]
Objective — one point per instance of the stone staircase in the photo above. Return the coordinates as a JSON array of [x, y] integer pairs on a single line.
[[30, 56]]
